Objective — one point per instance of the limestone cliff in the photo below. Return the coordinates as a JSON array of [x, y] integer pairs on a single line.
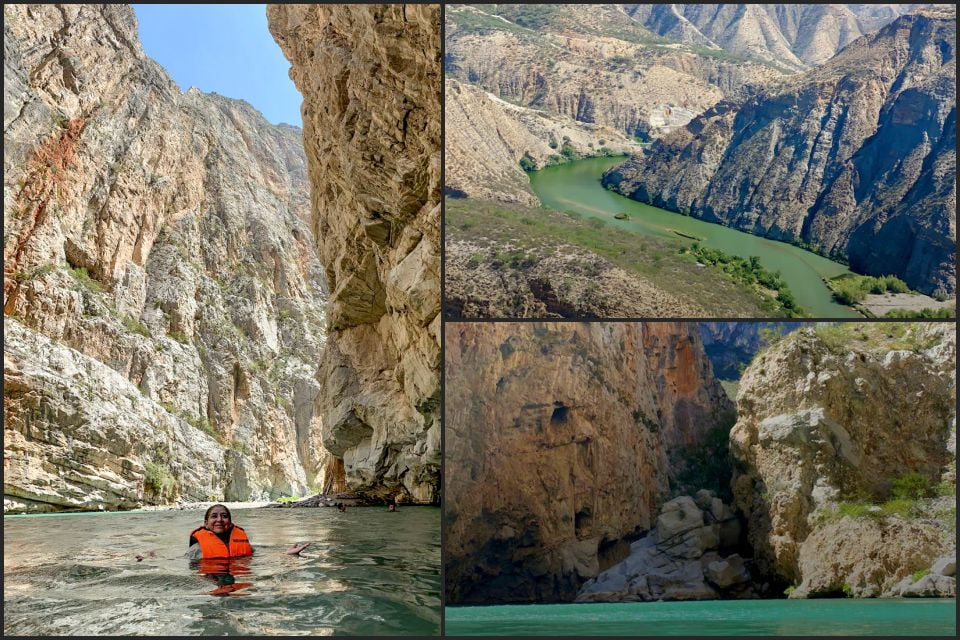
[[790, 36], [370, 79], [594, 64], [830, 422], [558, 438], [857, 157], [487, 138], [163, 300]]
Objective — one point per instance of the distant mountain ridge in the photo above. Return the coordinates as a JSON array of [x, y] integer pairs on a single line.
[[791, 36], [856, 157]]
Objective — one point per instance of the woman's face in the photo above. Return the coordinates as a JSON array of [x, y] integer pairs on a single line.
[[218, 521]]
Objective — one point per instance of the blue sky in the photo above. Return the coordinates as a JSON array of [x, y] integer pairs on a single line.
[[222, 48]]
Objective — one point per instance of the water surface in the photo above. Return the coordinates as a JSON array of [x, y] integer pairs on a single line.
[[367, 572], [575, 186], [889, 617]]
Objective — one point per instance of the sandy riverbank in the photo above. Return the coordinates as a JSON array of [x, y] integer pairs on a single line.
[[880, 304]]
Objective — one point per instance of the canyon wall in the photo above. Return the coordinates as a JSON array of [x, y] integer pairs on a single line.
[[163, 299], [558, 437], [731, 346], [370, 79], [836, 415], [790, 36], [594, 64], [487, 138], [857, 157]]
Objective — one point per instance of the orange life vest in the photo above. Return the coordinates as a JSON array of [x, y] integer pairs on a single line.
[[211, 546]]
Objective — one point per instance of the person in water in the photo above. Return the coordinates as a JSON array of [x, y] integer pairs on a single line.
[[218, 537]]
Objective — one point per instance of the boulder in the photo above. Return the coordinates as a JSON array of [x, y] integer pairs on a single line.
[[727, 572], [945, 566], [931, 585]]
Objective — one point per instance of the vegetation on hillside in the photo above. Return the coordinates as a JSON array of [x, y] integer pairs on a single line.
[[751, 273], [850, 289], [537, 232]]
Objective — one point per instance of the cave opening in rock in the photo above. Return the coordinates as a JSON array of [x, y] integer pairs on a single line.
[[560, 413]]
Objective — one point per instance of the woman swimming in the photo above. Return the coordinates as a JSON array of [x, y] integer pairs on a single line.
[[220, 538]]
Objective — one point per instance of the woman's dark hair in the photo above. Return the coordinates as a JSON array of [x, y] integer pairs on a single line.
[[206, 516]]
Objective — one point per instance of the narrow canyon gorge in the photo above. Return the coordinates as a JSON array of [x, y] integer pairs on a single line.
[[603, 462], [200, 305]]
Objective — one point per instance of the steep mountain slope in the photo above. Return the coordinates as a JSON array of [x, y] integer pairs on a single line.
[[856, 157], [370, 77], [792, 36], [487, 138], [593, 64], [557, 448], [164, 305], [731, 346]]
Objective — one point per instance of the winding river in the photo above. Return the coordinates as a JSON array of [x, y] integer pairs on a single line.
[[576, 187], [367, 572]]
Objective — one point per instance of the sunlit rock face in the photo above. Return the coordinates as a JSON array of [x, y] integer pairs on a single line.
[[163, 298], [558, 446], [833, 416], [856, 157], [370, 79]]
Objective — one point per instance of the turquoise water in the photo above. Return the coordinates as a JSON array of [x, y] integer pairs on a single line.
[[368, 572], [576, 187], [893, 617]]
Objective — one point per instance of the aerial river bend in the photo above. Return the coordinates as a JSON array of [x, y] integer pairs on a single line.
[[576, 187]]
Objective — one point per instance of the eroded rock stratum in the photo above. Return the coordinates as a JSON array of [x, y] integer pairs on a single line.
[[558, 446], [165, 295], [370, 79], [163, 299], [833, 417]]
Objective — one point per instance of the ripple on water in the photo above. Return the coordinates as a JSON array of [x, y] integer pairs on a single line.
[[366, 573]]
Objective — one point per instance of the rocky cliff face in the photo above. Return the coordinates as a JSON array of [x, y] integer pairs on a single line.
[[164, 304], [835, 416], [793, 37], [732, 345], [594, 64], [486, 139], [370, 78], [857, 157], [557, 445]]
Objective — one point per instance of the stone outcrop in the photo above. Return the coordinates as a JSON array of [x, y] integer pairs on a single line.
[[682, 558], [163, 299], [834, 415], [558, 437], [569, 282], [856, 158], [594, 64], [486, 139], [370, 79]]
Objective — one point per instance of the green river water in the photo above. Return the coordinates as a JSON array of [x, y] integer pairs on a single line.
[[576, 187], [782, 618], [368, 572]]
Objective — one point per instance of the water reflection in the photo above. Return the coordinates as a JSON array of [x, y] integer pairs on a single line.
[[226, 573]]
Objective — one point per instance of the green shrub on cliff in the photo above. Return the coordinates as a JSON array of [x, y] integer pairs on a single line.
[[708, 465], [911, 486], [159, 479]]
